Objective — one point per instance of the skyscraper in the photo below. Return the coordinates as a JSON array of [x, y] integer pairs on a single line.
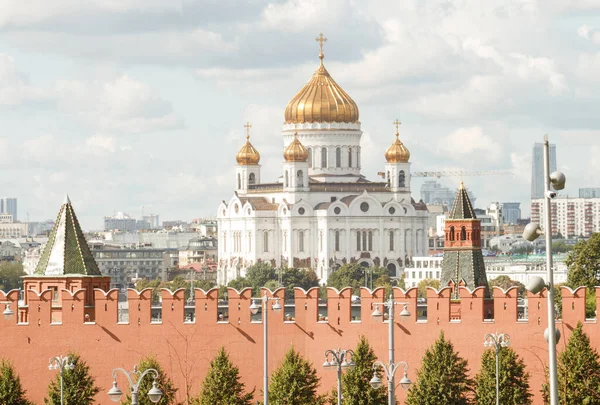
[[537, 169], [9, 206], [511, 212]]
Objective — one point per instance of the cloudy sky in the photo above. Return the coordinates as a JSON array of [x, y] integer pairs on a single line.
[[131, 103]]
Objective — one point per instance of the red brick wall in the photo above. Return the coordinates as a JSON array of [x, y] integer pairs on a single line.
[[106, 344]]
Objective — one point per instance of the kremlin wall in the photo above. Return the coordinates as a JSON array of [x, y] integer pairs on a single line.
[[45, 328]]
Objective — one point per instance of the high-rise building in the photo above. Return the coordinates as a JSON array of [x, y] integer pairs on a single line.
[[571, 217], [9, 206], [589, 192], [511, 212], [537, 169]]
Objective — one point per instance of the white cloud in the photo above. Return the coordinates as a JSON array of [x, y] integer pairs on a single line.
[[100, 144], [467, 146]]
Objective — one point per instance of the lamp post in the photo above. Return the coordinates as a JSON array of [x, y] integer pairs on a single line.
[[536, 284], [339, 359], [254, 307], [391, 367], [155, 394], [61, 363], [497, 340]]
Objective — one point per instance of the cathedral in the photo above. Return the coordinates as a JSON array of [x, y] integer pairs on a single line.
[[321, 212]]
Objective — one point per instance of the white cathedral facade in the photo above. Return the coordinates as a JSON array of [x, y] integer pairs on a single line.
[[321, 212]]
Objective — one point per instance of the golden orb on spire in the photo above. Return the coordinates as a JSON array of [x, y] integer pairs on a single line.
[[248, 155], [397, 152], [295, 151], [321, 99]]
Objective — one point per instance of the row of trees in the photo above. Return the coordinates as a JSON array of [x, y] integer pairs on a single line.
[[443, 379]]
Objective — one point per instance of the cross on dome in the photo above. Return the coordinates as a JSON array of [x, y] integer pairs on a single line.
[[397, 123], [321, 39], [247, 126]]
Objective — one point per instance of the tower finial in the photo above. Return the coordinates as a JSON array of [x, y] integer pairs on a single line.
[[321, 39], [247, 126], [397, 124]]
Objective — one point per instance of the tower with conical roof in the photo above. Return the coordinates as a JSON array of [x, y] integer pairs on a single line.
[[397, 168], [248, 170], [463, 260], [295, 167], [67, 262]]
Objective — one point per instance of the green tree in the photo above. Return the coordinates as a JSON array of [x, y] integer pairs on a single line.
[[222, 384], [355, 275], [156, 285], [443, 378], [356, 385], [428, 282], [79, 387], [583, 264], [578, 371], [505, 283], [11, 391], [258, 274], [239, 283], [304, 278], [561, 247], [514, 380], [205, 284], [10, 276], [295, 382], [163, 381]]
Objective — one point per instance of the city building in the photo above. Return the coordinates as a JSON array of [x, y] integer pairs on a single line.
[[198, 250], [321, 212], [122, 222], [9, 206], [589, 192], [511, 212], [432, 192], [571, 217], [152, 221], [537, 169], [125, 265], [40, 228], [163, 239], [10, 251], [9, 229], [463, 260]]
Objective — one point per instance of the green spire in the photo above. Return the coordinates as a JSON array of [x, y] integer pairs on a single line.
[[67, 251], [462, 209]]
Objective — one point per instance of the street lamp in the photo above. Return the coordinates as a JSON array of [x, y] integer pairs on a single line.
[[339, 359], [391, 367], [497, 340], [61, 363], [536, 284], [254, 307], [155, 394]]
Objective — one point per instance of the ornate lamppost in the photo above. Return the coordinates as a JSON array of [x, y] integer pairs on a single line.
[[497, 340], [61, 363], [339, 359], [155, 394]]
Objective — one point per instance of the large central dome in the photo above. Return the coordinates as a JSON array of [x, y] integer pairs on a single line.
[[321, 100]]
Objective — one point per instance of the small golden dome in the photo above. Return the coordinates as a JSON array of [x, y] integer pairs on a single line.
[[321, 100], [248, 155], [295, 152], [397, 152]]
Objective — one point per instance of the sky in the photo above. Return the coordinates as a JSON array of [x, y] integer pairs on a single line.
[[140, 105]]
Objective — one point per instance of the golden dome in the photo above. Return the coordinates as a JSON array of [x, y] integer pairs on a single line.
[[321, 100], [295, 152], [248, 155], [397, 152]]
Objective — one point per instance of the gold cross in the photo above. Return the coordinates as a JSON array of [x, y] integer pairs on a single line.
[[247, 126], [397, 124], [320, 39]]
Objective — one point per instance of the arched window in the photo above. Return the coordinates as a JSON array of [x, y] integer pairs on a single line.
[[300, 178], [310, 157], [370, 240], [301, 241], [285, 179], [338, 157], [391, 241], [349, 156], [358, 157], [337, 241], [364, 240], [451, 233], [324, 158], [389, 179], [357, 240], [265, 241], [463, 233], [239, 178], [401, 179], [391, 269], [251, 178]]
